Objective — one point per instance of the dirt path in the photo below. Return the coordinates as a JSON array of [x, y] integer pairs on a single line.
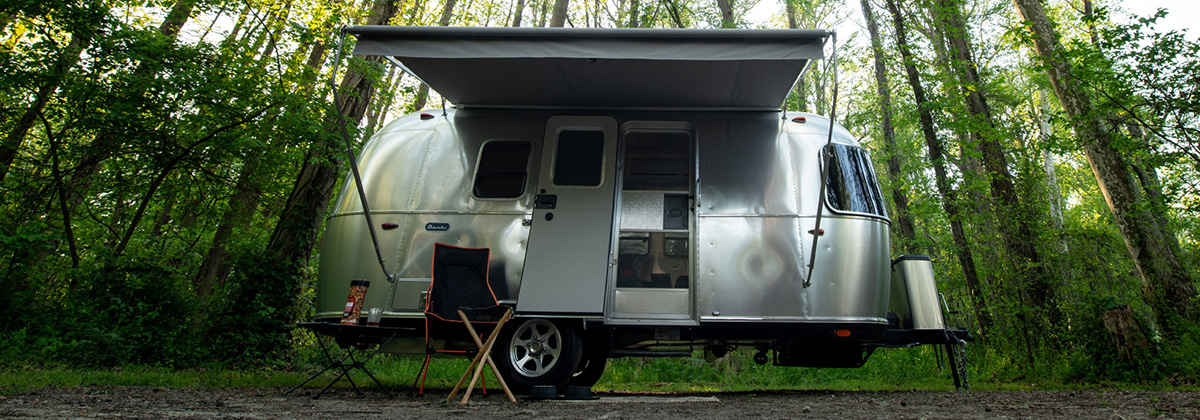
[[266, 403]]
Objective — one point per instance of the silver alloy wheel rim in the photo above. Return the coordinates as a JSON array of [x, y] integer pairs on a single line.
[[535, 348]]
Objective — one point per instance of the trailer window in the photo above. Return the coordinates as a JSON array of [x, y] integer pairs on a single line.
[[676, 247], [579, 158], [850, 183], [503, 169], [633, 246]]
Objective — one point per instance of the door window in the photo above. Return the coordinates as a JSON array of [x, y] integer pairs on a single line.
[[579, 158]]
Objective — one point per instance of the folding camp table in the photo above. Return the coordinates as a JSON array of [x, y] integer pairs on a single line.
[[352, 339]]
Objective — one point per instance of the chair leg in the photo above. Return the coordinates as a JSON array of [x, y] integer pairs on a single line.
[[484, 355], [491, 363], [421, 376]]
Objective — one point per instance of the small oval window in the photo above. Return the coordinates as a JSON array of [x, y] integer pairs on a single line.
[[503, 169]]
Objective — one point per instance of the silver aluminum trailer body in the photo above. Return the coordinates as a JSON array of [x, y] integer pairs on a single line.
[[758, 179], [641, 194]]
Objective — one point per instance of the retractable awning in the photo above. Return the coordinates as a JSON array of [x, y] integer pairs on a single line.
[[600, 68]]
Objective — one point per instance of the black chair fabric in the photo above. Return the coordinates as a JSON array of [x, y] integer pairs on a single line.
[[460, 281]]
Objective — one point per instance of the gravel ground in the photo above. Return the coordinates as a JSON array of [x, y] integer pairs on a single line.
[[268, 403]]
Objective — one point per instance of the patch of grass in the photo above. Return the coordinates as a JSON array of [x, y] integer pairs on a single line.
[[888, 369], [394, 371], [915, 368]]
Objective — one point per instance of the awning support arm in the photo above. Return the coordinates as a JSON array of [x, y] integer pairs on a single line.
[[362, 196], [816, 232]]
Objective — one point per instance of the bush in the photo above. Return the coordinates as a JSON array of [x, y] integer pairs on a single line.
[[1101, 359], [127, 311], [254, 325]]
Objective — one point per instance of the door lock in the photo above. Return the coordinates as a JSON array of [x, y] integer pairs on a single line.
[[545, 201]]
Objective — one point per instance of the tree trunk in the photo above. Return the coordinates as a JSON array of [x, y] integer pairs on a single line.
[[883, 88], [176, 18], [380, 107], [422, 96], [1035, 289], [1125, 333], [56, 173], [295, 233], [416, 12], [281, 21], [1090, 17], [726, 7], [1147, 176], [516, 22], [789, 7], [1168, 287], [559, 16], [1048, 164], [949, 200], [67, 60], [214, 269], [541, 14], [634, 22], [237, 27], [105, 142], [673, 10]]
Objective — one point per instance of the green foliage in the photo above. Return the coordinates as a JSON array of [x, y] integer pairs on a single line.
[[255, 325], [1101, 359], [146, 140], [120, 312]]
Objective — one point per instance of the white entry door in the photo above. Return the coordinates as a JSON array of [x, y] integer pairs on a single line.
[[570, 239]]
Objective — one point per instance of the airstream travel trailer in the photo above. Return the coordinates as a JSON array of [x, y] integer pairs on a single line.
[[640, 193]]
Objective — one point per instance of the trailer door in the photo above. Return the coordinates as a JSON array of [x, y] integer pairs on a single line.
[[652, 280], [567, 261]]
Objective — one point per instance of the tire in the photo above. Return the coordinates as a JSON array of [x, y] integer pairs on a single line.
[[591, 368], [538, 352]]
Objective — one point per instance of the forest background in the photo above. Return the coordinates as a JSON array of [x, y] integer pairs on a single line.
[[166, 166]]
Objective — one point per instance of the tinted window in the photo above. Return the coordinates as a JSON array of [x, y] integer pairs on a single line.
[[579, 159], [676, 247], [633, 246], [503, 169], [850, 183]]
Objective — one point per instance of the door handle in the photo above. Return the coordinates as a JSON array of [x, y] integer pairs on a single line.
[[545, 201]]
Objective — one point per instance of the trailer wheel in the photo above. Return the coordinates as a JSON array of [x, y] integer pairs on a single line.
[[538, 352], [591, 368]]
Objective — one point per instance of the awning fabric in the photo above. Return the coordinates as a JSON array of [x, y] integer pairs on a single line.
[[600, 68]]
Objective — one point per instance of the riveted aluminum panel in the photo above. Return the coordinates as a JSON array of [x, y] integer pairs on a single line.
[[417, 172], [409, 251], [428, 165], [754, 268]]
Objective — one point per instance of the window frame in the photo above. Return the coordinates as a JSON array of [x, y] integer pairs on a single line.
[[603, 161], [479, 163], [874, 181]]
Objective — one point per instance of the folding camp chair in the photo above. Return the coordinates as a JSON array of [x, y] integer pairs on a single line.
[[460, 294]]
